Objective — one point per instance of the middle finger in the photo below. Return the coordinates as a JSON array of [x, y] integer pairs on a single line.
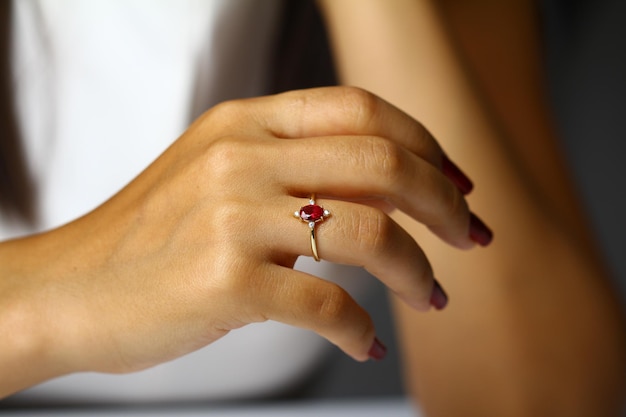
[[349, 167]]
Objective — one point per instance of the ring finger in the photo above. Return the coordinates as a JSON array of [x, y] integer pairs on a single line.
[[356, 234]]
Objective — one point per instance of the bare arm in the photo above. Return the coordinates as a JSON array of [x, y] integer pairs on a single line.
[[532, 327]]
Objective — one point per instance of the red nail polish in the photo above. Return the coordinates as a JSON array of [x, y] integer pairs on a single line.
[[455, 174], [377, 351], [438, 298], [479, 232]]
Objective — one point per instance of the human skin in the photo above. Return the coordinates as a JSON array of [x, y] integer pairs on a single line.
[[532, 327], [204, 240]]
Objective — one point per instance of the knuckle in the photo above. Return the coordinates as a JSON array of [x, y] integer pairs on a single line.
[[333, 305], [231, 276], [228, 225], [391, 162], [384, 160], [299, 105], [227, 213], [374, 233], [224, 158], [223, 113], [362, 105]]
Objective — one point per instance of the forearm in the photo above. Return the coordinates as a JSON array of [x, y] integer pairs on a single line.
[[532, 327], [544, 339]]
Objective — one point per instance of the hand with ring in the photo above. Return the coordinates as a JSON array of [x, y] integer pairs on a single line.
[[204, 240]]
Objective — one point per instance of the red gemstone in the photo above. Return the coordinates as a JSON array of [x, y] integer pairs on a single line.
[[311, 213]]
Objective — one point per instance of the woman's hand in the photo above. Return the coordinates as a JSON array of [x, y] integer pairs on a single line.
[[204, 240]]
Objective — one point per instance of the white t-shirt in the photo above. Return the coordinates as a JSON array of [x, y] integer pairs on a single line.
[[103, 87]]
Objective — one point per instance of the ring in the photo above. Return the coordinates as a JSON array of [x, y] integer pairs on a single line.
[[312, 214]]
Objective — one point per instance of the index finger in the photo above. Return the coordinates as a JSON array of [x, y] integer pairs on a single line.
[[335, 111]]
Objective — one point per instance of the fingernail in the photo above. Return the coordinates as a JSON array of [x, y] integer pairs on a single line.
[[377, 351], [454, 173], [438, 298], [479, 232]]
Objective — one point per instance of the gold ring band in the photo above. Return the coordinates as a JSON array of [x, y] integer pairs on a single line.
[[312, 214], [314, 245]]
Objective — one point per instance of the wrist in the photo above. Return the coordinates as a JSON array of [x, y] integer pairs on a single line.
[[30, 349]]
